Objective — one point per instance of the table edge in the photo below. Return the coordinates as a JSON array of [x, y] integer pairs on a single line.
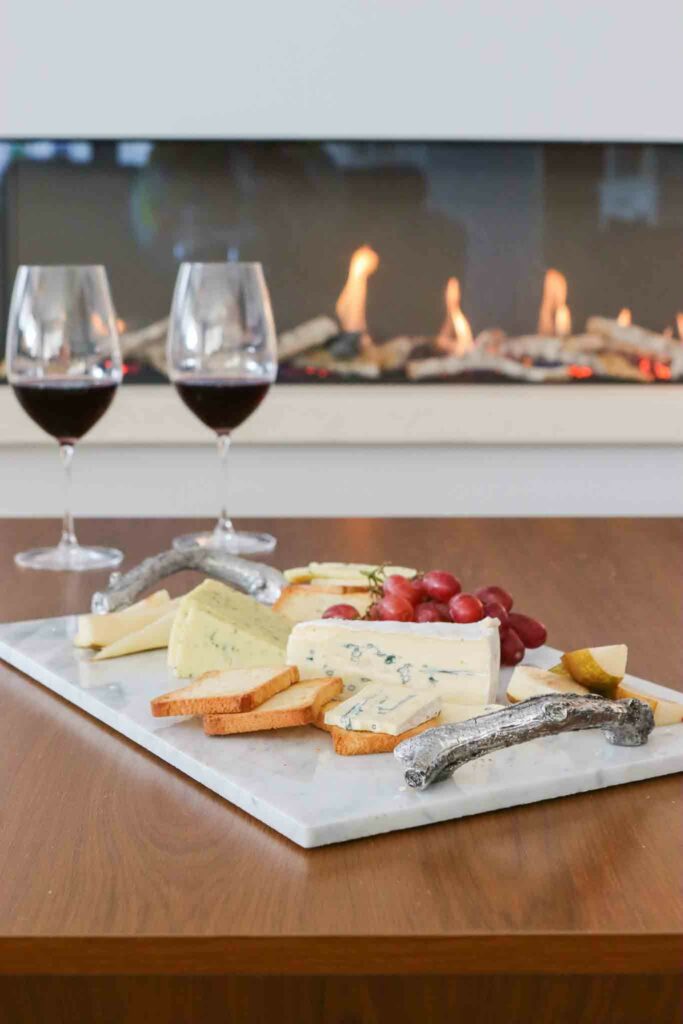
[[537, 954]]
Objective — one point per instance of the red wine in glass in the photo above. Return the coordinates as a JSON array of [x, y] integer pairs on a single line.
[[65, 409], [221, 405], [222, 359], [64, 365]]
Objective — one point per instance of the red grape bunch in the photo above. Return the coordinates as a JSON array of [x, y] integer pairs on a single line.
[[437, 596]]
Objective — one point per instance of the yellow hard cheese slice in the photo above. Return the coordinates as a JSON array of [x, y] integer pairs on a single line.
[[353, 570], [151, 637], [101, 630], [342, 572], [217, 627]]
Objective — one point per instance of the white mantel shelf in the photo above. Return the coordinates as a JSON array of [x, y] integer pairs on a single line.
[[385, 414]]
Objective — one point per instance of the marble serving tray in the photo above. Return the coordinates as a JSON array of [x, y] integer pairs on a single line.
[[292, 780]]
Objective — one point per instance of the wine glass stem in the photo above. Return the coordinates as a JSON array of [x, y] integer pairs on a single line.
[[66, 454], [224, 527]]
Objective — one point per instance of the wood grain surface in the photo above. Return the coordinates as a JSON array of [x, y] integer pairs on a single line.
[[114, 863]]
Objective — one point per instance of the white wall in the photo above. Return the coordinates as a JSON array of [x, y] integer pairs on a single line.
[[350, 480], [348, 68]]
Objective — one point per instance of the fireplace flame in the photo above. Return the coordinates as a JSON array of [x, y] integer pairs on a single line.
[[455, 336], [625, 319], [352, 300], [563, 321], [554, 317]]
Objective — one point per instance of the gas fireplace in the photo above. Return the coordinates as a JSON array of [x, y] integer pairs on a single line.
[[387, 262]]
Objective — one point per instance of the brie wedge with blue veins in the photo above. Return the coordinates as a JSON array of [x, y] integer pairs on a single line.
[[458, 662], [387, 709]]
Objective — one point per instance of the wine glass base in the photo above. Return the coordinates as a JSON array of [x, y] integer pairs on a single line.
[[67, 558], [238, 543]]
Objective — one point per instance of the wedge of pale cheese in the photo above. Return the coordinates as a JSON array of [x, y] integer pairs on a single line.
[[217, 627], [101, 630], [151, 637], [457, 662], [529, 681], [386, 709]]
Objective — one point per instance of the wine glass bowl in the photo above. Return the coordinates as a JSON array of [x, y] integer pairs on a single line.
[[222, 359], [64, 365]]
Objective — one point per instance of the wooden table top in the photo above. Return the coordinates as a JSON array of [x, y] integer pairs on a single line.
[[113, 862]]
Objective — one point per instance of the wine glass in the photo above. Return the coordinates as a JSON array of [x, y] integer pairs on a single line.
[[222, 358], [64, 364]]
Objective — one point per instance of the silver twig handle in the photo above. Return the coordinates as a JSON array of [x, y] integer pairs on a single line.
[[436, 753], [262, 582]]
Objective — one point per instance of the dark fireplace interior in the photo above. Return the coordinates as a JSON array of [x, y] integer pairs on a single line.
[[505, 262]]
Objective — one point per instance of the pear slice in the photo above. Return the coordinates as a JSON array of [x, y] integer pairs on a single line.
[[600, 668], [528, 681], [560, 670], [666, 712], [151, 637]]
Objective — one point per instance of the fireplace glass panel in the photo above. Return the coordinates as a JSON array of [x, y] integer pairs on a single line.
[[403, 262]]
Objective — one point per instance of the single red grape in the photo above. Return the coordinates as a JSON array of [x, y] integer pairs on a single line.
[[443, 608], [395, 609], [531, 632], [431, 611], [466, 608], [341, 611], [494, 593], [399, 586], [497, 611], [373, 612], [511, 647], [419, 590], [440, 586]]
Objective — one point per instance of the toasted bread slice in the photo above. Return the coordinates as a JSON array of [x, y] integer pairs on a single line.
[[305, 602], [319, 720], [348, 742], [226, 692], [299, 705]]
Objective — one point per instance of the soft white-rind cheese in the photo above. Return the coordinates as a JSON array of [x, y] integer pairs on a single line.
[[386, 709], [459, 662]]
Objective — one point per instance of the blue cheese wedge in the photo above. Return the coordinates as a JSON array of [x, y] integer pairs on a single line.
[[458, 662], [386, 709], [217, 627]]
